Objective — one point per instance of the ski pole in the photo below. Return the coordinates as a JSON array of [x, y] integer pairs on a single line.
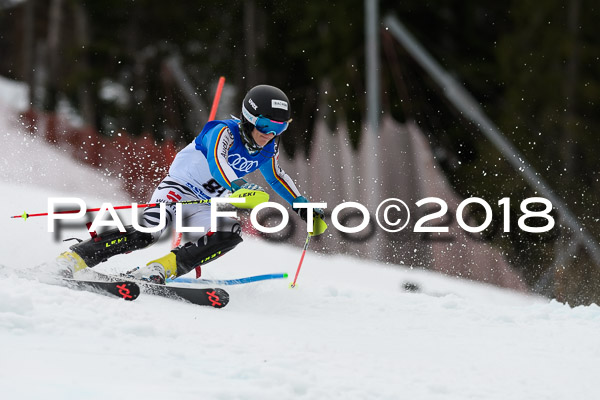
[[25, 215], [293, 284], [238, 281], [176, 238]]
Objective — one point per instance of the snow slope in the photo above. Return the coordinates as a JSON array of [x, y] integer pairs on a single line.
[[348, 331]]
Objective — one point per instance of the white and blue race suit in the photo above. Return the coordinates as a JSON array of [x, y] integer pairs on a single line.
[[206, 167]]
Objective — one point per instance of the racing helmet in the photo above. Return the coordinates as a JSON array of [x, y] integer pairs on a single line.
[[267, 109]]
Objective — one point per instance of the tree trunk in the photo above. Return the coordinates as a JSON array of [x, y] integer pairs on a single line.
[[86, 97], [569, 148], [250, 41], [53, 50], [28, 50]]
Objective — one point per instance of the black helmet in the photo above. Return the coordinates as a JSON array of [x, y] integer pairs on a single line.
[[268, 109]]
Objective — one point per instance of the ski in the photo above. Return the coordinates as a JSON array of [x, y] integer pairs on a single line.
[[213, 297], [238, 281], [126, 290]]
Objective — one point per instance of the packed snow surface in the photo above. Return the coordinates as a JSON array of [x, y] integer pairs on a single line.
[[349, 330]]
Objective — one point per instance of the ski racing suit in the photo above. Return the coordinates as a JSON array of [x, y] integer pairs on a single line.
[[207, 167]]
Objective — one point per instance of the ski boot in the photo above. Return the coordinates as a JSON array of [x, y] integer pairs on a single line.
[[155, 271], [99, 248], [187, 257], [68, 263]]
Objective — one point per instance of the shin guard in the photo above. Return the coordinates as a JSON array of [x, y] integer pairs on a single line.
[[110, 243], [208, 248]]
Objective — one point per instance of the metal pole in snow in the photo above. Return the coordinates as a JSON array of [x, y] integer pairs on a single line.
[[373, 64], [464, 102]]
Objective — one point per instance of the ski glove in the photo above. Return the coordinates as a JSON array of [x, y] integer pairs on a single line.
[[252, 193], [317, 213], [319, 225], [242, 184]]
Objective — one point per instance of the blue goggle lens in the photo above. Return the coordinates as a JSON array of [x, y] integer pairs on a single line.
[[268, 126]]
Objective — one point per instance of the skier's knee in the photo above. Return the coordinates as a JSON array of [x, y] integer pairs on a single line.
[[228, 225], [151, 218]]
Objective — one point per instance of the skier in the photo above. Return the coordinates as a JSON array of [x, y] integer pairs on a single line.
[[211, 166]]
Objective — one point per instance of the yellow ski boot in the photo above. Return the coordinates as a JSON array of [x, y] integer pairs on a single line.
[[156, 271], [70, 262]]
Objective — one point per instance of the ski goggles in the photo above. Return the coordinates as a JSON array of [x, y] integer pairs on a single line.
[[265, 125]]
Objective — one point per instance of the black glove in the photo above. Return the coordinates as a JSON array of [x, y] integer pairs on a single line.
[[302, 212], [317, 213]]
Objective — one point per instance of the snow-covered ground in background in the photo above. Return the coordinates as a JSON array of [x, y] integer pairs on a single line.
[[347, 331], [13, 94]]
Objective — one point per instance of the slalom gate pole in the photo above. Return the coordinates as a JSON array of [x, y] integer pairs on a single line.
[[217, 99], [293, 284], [176, 238], [25, 215]]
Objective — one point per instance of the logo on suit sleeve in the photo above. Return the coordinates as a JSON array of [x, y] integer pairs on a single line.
[[226, 142]]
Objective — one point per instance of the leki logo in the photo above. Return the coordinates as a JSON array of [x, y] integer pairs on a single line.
[[241, 163], [124, 291], [217, 254], [214, 299], [116, 241]]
